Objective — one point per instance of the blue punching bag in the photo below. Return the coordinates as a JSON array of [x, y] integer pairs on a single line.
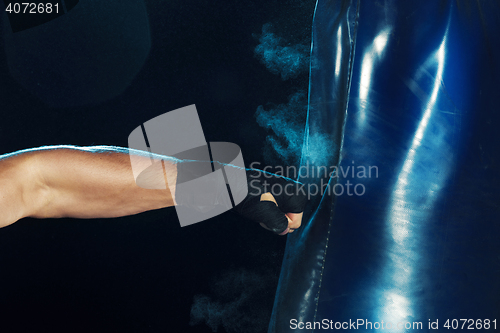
[[405, 236], [87, 55]]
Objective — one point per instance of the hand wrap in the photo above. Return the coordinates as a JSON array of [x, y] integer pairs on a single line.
[[289, 195]]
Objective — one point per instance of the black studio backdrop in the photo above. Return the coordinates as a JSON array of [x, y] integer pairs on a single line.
[[141, 273]]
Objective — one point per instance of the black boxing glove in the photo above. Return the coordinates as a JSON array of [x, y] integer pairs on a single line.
[[290, 196]]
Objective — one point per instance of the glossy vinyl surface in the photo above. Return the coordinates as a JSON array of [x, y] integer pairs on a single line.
[[405, 94]]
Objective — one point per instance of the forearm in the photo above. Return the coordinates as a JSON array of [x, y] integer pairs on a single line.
[[86, 183]]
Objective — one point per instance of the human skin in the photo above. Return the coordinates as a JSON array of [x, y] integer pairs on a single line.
[[86, 182]]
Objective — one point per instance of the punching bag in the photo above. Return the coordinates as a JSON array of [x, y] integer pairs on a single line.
[[406, 94], [87, 55]]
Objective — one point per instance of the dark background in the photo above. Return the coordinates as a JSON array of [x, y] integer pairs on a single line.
[[142, 273]]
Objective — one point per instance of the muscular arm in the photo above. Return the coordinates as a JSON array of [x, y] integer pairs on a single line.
[[95, 182], [88, 182]]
